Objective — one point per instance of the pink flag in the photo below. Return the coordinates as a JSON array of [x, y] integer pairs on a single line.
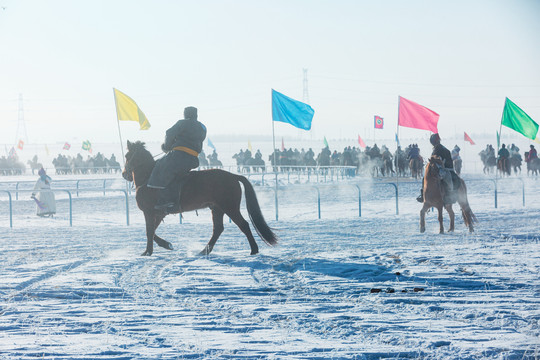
[[379, 122], [468, 138], [361, 142], [416, 116]]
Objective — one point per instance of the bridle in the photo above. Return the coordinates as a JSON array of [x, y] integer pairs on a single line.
[[128, 168]]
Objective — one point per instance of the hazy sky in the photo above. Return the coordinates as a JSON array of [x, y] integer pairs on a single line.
[[459, 58]]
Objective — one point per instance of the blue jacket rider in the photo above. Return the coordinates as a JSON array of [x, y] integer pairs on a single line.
[[183, 143]]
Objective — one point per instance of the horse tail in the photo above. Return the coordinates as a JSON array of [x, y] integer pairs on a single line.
[[255, 214], [468, 216]]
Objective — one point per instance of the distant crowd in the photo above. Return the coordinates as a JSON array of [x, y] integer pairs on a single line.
[[97, 164], [373, 161]]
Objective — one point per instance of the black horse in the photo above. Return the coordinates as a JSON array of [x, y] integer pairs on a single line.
[[215, 189]]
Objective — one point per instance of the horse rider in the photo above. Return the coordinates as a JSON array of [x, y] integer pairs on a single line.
[[503, 152], [445, 172], [532, 154], [455, 153], [414, 152], [183, 143]]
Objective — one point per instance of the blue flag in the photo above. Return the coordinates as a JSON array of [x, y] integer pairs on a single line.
[[290, 111], [397, 140], [210, 144]]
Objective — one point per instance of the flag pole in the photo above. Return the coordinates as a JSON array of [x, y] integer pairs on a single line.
[[275, 163], [397, 156], [121, 144], [499, 144], [119, 132]]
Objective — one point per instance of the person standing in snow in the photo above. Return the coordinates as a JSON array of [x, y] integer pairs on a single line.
[[43, 196]]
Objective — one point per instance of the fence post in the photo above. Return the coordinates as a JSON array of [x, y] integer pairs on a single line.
[[359, 201], [495, 183], [127, 206], [397, 208], [17, 191], [276, 196], [318, 201], [10, 208], [77, 186], [70, 206]]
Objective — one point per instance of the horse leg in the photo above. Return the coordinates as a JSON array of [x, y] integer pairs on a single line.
[[423, 218], [163, 243], [150, 232], [452, 216], [217, 218], [440, 217], [239, 220]]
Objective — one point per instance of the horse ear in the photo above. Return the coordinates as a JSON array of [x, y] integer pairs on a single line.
[[128, 144]]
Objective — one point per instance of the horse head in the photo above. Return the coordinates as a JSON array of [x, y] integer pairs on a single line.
[[434, 164], [137, 159]]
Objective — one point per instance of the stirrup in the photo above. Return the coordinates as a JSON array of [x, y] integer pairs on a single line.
[[420, 199]]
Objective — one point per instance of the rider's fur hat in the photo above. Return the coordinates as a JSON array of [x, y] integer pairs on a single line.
[[190, 113], [435, 139]]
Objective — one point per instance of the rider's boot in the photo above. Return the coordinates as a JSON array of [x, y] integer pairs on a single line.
[[421, 197]]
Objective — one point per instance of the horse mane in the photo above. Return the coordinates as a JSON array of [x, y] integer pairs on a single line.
[[433, 161], [139, 145]]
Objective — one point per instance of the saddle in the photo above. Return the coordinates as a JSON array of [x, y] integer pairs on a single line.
[[171, 195]]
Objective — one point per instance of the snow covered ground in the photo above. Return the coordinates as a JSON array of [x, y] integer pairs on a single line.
[[84, 292]]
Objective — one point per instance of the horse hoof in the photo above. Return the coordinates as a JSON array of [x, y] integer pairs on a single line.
[[146, 253], [254, 252], [422, 231], [205, 252], [169, 246]]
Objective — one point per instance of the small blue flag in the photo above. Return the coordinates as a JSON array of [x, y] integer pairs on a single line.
[[290, 111], [397, 140], [210, 144]]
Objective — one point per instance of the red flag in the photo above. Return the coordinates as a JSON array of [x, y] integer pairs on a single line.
[[468, 138], [67, 146], [20, 145], [416, 116], [282, 145], [361, 142], [379, 122]]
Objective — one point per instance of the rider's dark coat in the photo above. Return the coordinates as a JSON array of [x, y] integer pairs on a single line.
[[444, 154], [189, 134]]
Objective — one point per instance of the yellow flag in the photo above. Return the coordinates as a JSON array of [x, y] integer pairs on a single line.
[[249, 146], [127, 110]]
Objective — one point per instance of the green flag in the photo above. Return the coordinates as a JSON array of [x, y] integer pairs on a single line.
[[325, 142], [516, 119], [86, 145]]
